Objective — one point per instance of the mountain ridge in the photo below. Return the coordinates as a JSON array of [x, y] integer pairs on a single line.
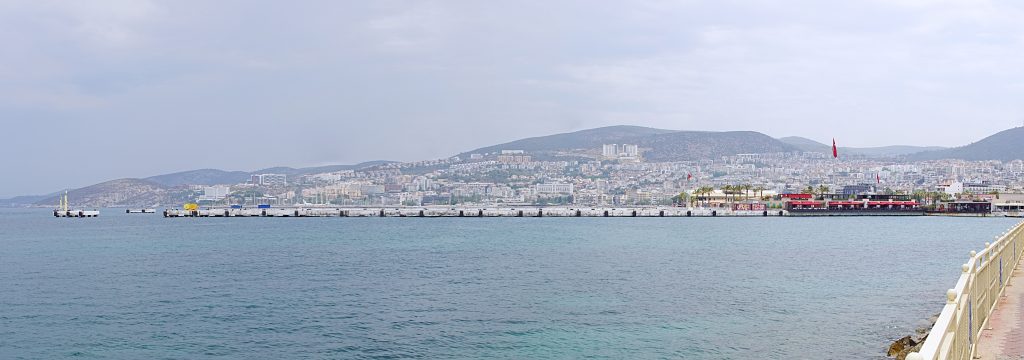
[[1002, 146], [217, 176], [809, 145], [662, 145], [127, 191]]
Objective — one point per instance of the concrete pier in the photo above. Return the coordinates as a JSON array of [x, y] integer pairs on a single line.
[[76, 213], [467, 212]]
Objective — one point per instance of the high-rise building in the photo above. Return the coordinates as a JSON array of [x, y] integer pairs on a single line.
[[610, 151], [629, 150], [624, 151], [271, 179]]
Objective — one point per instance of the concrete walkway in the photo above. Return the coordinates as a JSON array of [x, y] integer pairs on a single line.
[[1003, 338]]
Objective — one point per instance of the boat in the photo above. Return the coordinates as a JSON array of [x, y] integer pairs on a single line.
[[63, 210]]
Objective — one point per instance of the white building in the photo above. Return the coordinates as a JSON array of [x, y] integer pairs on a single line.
[[214, 193], [629, 150], [555, 188], [610, 151], [271, 179], [951, 188], [624, 151], [983, 188]]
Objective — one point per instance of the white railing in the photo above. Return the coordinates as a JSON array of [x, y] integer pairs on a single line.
[[969, 304]]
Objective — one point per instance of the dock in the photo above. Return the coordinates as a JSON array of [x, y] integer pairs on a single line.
[[436, 212], [76, 213]]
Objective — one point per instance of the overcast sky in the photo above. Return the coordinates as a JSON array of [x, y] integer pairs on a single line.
[[97, 90]]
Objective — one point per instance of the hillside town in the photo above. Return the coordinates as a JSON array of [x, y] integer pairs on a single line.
[[618, 175]]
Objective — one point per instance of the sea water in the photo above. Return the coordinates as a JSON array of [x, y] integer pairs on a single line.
[[134, 286]]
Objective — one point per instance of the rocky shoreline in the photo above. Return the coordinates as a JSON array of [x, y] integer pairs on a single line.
[[911, 343]]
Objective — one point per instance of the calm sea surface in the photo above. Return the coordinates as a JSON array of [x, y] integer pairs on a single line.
[[143, 287]]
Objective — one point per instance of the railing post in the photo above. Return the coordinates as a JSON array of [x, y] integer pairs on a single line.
[[914, 356]]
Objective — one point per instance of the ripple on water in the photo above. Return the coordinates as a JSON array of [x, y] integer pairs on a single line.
[[131, 287]]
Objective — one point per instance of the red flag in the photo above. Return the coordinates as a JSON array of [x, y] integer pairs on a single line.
[[835, 151], [689, 176]]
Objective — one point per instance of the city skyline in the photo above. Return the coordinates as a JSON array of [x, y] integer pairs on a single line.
[[621, 152]]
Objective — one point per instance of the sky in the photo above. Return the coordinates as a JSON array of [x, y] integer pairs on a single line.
[[104, 89]]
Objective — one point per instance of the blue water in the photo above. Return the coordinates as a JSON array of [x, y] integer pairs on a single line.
[[141, 286]]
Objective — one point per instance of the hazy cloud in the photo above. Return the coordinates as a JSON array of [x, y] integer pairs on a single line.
[[139, 88]]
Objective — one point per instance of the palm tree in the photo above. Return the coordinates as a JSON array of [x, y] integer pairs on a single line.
[[746, 191], [706, 190], [809, 190], [728, 190], [684, 197], [822, 190], [919, 195], [760, 191]]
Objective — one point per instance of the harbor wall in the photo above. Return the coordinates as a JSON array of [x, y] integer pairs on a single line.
[[468, 212]]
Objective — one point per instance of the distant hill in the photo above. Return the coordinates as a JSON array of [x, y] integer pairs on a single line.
[[583, 139], [22, 201], [699, 145], [805, 144], [164, 189], [894, 150], [121, 192], [663, 145], [200, 177], [1004, 145], [808, 145], [319, 169], [214, 176]]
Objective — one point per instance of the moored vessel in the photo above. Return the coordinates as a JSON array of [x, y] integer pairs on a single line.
[[62, 209]]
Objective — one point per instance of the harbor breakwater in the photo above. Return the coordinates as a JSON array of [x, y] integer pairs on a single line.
[[469, 212], [529, 211]]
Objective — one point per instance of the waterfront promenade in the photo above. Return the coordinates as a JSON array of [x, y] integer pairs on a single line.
[[984, 313], [1003, 338]]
